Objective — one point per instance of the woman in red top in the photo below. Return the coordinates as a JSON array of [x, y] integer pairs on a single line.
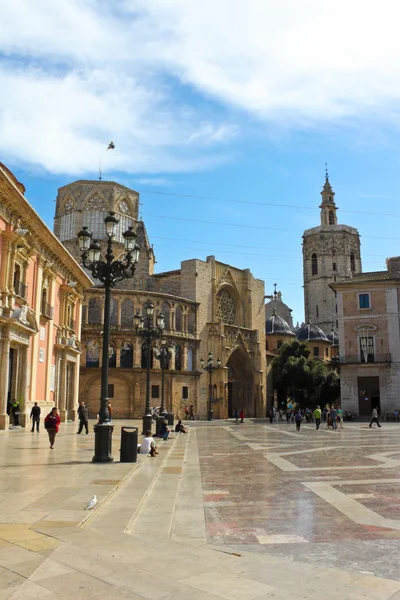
[[51, 423]]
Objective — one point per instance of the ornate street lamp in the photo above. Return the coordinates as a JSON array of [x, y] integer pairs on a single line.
[[210, 367], [109, 272], [164, 356], [148, 333]]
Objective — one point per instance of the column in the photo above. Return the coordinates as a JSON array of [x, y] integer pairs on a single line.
[[4, 378], [62, 398], [74, 397], [118, 353], [22, 385], [137, 353], [119, 312], [185, 357]]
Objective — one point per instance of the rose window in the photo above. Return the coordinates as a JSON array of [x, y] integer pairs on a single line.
[[226, 307]]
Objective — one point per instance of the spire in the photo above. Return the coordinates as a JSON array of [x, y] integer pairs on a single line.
[[328, 206]]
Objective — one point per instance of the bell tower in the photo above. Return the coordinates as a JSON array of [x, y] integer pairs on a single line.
[[330, 251]]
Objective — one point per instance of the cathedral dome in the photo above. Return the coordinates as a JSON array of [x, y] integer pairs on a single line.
[[311, 333], [277, 324], [333, 337]]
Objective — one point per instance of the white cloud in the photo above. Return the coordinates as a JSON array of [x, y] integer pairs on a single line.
[[75, 74]]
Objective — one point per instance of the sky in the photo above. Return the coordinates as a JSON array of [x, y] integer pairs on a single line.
[[223, 115]]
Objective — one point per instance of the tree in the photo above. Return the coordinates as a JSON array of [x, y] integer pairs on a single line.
[[303, 379]]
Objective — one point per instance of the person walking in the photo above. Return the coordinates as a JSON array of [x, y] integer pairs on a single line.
[[35, 416], [340, 417], [110, 412], [236, 416], [52, 423], [333, 416], [15, 411], [375, 417], [186, 413], [241, 415], [297, 418], [317, 417], [191, 413], [83, 415]]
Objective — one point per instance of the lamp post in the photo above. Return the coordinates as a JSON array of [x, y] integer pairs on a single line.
[[109, 272], [148, 334], [164, 356], [210, 367]]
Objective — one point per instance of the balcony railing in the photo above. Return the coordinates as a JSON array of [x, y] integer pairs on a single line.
[[20, 289], [47, 310], [371, 359]]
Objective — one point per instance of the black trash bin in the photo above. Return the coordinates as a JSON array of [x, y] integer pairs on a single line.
[[129, 444], [170, 418], [159, 422]]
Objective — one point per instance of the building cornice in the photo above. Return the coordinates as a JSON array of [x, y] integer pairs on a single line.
[[21, 214]]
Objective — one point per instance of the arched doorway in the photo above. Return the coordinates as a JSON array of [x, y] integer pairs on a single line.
[[241, 391]]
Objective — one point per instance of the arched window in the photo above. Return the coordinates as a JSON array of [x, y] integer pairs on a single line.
[[191, 321], [331, 218], [190, 359], [314, 264], [166, 314], [124, 217], [178, 362], [178, 318], [112, 356], [144, 357], [113, 312], [127, 312], [67, 222], [352, 262], [94, 311], [92, 353], [94, 213], [226, 307], [330, 198], [126, 361]]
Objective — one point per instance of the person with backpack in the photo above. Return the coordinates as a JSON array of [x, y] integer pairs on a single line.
[[298, 418], [52, 423]]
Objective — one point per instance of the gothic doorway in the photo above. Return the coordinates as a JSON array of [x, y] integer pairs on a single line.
[[241, 393]]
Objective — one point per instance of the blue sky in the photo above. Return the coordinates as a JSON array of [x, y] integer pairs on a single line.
[[240, 104]]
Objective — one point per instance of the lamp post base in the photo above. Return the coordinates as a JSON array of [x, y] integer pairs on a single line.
[[147, 423], [210, 414], [103, 443]]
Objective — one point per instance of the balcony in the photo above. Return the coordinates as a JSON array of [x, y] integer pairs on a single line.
[[20, 289], [47, 310], [372, 359]]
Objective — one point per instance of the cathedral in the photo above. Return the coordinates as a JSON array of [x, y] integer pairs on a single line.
[[330, 251], [207, 305]]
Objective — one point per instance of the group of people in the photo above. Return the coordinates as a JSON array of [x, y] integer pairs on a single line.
[[148, 445]]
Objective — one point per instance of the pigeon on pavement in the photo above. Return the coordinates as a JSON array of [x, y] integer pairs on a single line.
[[92, 503]]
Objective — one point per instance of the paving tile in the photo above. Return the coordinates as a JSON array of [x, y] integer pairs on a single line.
[[227, 586]]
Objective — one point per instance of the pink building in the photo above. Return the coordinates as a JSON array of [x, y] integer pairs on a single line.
[[41, 292]]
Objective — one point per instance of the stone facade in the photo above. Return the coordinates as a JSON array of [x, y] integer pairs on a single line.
[[330, 251], [215, 307], [41, 292], [86, 203], [209, 306], [369, 340]]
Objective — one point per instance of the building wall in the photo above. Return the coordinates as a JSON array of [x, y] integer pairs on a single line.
[[381, 323], [33, 330]]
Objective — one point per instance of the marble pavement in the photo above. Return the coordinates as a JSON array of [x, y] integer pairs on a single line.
[[252, 511]]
